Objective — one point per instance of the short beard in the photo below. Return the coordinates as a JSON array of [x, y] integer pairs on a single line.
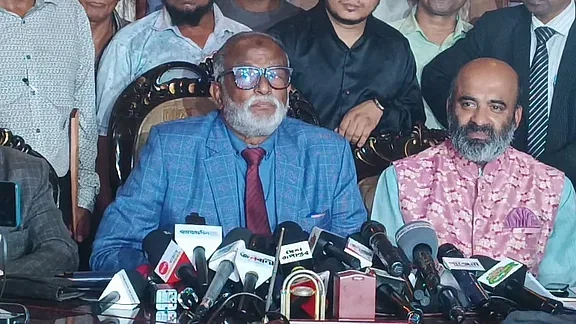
[[480, 151], [187, 17], [246, 123], [343, 20]]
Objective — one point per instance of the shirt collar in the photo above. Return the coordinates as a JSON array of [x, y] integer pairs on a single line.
[[238, 145], [222, 24], [561, 23], [410, 25]]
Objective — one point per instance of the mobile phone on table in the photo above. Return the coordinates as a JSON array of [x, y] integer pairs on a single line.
[[10, 214]]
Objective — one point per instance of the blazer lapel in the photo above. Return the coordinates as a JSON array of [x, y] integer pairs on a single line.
[[559, 118], [289, 177], [221, 173], [521, 63]]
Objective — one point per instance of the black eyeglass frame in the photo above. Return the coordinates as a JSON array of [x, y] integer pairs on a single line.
[[261, 71]]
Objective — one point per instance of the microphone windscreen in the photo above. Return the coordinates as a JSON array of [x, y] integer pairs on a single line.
[[487, 262], [415, 233], [295, 236], [450, 251], [138, 282], [155, 244], [289, 227], [359, 238], [262, 244], [330, 264], [237, 234], [371, 227]]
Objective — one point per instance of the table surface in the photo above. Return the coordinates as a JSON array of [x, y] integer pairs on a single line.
[[80, 312]]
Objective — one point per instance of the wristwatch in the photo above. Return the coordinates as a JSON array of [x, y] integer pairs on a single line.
[[377, 103]]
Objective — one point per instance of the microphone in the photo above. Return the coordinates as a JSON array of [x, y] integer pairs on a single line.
[[222, 261], [419, 242], [412, 314], [198, 242], [375, 234], [329, 245], [356, 247], [169, 260], [122, 293], [195, 219], [451, 306], [466, 279], [295, 250], [506, 278]]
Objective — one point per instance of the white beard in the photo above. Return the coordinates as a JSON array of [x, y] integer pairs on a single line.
[[245, 122]]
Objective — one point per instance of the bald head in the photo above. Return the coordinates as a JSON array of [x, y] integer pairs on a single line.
[[492, 73], [483, 109], [242, 43]]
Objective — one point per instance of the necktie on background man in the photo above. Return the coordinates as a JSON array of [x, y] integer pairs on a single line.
[[538, 102], [255, 204]]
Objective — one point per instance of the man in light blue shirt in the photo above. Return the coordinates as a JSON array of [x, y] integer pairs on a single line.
[[432, 27], [172, 34], [478, 192]]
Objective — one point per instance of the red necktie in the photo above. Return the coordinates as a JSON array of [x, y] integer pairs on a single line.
[[256, 215]]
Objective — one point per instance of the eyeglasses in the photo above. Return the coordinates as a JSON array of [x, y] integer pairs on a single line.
[[248, 77]]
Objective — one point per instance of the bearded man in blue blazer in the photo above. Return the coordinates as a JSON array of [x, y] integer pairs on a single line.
[[243, 166]]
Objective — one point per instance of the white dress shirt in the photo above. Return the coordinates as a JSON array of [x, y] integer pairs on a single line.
[[47, 64], [555, 45]]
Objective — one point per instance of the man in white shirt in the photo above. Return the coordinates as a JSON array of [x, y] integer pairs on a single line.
[[47, 64]]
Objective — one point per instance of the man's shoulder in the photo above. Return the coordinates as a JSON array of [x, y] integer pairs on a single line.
[[308, 135], [137, 30], [191, 127], [233, 26], [508, 16], [12, 160], [385, 31], [293, 26]]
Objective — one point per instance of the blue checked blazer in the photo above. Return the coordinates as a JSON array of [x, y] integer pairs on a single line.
[[188, 166]]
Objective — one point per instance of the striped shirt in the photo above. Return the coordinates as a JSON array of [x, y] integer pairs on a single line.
[[47, 64]]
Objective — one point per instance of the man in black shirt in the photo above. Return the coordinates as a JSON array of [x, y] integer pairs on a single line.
[[358, 72]]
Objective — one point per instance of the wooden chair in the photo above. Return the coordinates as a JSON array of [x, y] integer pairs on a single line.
[[147, 102], [16, 142]]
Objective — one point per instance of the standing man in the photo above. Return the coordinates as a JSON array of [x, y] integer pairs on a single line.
[[432, 27], [105, 22], [256, 14], [47, 63], [357, 72], [538, 40]]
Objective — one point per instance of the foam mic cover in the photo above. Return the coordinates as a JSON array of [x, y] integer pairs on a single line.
[[375, 234], [155, 244], [295, 251], [237, 234]]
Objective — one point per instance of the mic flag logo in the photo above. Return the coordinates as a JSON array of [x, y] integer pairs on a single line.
[[163, 269]]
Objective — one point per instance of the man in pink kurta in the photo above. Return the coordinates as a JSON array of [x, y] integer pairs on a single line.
[[479, 193]]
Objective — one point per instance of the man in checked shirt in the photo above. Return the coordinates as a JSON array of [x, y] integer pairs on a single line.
[[47, 64]]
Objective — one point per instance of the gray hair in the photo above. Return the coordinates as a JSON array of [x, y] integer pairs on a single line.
[[220, 56]]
